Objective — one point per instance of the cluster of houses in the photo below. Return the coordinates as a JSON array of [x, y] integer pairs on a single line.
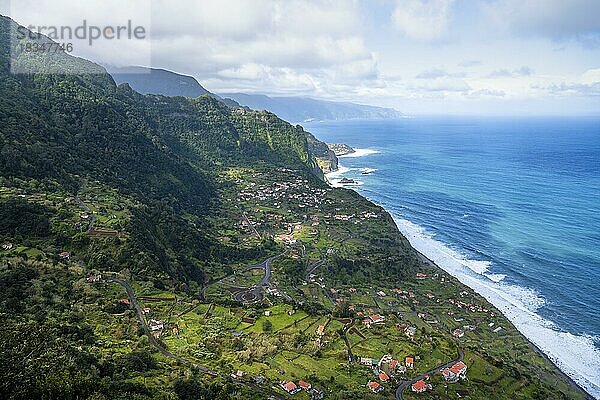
[[386, 368], [296, 190], [470, 307], [373, 320], [293, 388], [455, 372], [287, 239]]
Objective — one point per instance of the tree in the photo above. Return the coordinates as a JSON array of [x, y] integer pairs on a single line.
[[267, 326]]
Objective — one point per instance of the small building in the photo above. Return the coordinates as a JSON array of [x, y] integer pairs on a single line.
[[145, 310], [175, 331], [458, 333], [248, 320], [65, 255], [410, 331], [238, 374], [460, 368], [290, 387], [321, 330], [448, 375], [155, 325], [7, 246], [409, 362], [94, 278], [419, 386], [383, 377], [375, 387], [305, 385], [267, 313], [317, 393], [291, 312], [366, 361], [421, 276]]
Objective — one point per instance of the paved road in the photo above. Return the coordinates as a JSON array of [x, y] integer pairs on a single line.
[[248, 294], [250, 224], [91, 215], [153, 341], [345, 337], [166, 352], [312, 269], [406, 384]]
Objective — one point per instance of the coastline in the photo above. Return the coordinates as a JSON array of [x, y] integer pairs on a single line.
[[428, 259], [571, 381]]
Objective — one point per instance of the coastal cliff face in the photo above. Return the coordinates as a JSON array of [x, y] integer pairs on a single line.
[[324, 156], [218, 264]]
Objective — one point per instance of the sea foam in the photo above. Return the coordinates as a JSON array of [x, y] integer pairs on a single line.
[[360, 153]]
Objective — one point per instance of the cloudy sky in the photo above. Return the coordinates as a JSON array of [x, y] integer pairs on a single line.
[[419, 56]]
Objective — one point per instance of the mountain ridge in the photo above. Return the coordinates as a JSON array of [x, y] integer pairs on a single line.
[[302, 109]]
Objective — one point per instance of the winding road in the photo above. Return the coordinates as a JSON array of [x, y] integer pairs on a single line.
[[347, 342], [89, 212], [249, 294], [405, 384], [312, 269]]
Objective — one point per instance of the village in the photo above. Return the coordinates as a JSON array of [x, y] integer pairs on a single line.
[[304, 335]]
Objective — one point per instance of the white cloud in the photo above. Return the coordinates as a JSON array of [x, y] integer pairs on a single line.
[[423, 20], [556, 19], [439, 73], [487, 93], [514, 73], [445, 85], [587, 84]]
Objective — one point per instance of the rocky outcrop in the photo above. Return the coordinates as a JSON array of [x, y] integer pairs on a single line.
[[325, 157], [340, 149]]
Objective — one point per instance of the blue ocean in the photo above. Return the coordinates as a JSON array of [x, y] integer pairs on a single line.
[[510, 206]]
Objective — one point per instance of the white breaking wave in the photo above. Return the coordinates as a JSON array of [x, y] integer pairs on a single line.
[[360, 153], [368, 170], [576, 355], [338, 172], [337, 183]]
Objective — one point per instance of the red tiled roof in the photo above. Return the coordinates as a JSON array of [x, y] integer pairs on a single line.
[[384, 377], [456, 368], [289, 386], [304, 385], [419, 385], [376, 318], [373, 385]]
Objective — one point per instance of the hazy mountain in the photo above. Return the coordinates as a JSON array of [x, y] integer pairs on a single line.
[[299, 109], [147, 80]]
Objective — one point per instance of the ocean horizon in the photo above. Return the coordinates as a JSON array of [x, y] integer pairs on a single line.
[[509, 206]]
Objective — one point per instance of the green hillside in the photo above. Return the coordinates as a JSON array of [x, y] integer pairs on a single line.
[[154, 246]]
